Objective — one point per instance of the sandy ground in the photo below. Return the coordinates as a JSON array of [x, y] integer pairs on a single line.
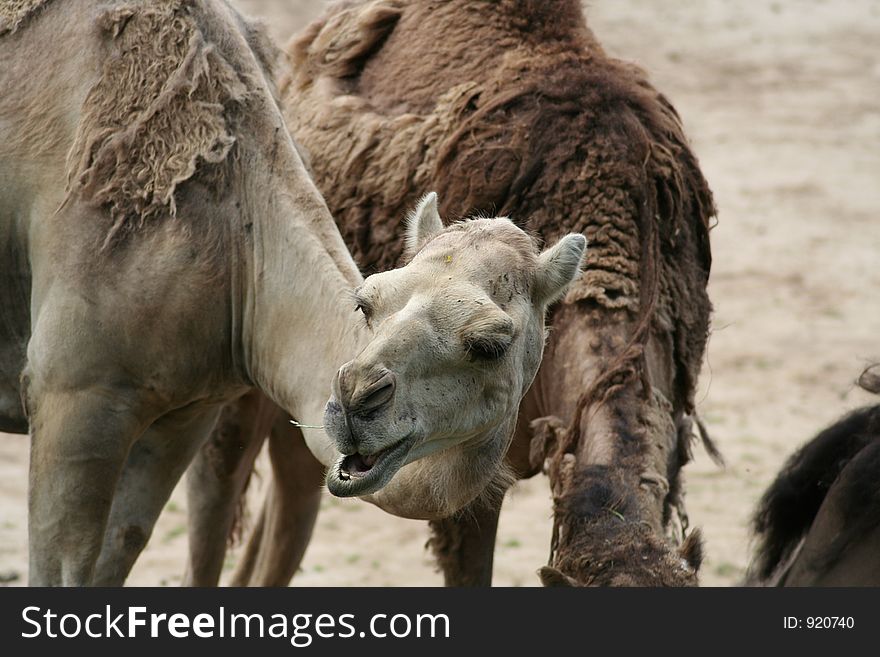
[[781, 105]]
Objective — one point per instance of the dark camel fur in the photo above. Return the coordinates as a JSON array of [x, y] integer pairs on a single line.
[[818, 524]]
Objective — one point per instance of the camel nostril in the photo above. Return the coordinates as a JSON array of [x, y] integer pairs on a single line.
[[377, 394], [343, 385]]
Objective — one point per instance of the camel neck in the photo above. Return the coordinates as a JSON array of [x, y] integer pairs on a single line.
[[298, 321]]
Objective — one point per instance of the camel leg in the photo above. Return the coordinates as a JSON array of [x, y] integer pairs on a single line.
[[216, 482], [279, 540], [154, 466], [78, 447], [464, 545]]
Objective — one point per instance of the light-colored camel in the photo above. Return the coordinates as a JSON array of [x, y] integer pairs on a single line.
[[513, 106], [164, 251]]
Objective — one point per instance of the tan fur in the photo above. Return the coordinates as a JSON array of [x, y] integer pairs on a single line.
[[162, 108], [13, 13], [268, 54]]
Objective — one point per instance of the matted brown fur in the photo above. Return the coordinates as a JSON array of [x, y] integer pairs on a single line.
[[13, 13], [560, 137], [513, 108], [160, 109], [600, 506]]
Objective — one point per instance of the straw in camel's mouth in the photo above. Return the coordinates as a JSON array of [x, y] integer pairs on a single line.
[[361, 474]]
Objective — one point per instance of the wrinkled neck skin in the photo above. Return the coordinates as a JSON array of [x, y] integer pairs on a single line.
[[298, 323]]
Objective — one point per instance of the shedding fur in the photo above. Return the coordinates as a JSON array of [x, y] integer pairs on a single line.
[[562, 140], [161, 110], [14, 13], [352, 33]]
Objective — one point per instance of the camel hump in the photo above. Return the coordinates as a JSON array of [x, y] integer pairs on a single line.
[[549, 21], [339, 43], [160, 109]]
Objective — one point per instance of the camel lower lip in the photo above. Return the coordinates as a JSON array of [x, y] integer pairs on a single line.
[[347, 479]]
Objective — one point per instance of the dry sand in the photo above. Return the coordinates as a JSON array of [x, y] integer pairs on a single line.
[[780, 101]]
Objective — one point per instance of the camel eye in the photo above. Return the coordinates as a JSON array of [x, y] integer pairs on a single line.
[[363, 306], [367, 311], [485, 349], [361, 303]]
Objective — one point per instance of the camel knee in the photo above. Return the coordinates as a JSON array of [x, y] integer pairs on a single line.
[[121, 548], [128, 540], [133, 539]]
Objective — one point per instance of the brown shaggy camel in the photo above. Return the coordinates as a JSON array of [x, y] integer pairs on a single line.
[[513, 107], [165, 251], [818, 524]]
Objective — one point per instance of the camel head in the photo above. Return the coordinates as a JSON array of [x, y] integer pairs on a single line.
[[423, 416]]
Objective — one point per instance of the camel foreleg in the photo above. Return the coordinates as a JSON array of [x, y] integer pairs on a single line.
[[216, 481], [79, 442], [278, 542], [464, 545], [154, 466]]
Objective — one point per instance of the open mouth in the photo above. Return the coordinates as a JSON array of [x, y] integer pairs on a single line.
[[362, 474]]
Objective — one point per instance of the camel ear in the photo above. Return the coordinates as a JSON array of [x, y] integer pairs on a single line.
[[550, 576], [558, 266], [691, 551], [422, 223]]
